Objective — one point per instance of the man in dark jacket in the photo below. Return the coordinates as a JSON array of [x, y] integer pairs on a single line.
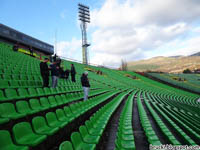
[[73, 73], [67, 73], [44, 70], [54, 73], [85, 84]]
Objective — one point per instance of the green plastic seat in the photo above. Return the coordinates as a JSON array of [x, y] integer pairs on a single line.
[[87, 137], [4, 84], [15, 77], [2, 96], [122, 144], [4, 120], [64, 99], [59, 99], [7, 110], [32, 92], [24, 135], [14, 84], [78, 143], [11, 94], [61, 116], [35, 105], [92, 130], [29, 77], [53, 90], [40, 126], [40, 91], [44, 103], [24, 83], [36, 78], [47, 91], [23, 77], [23, 107], [58, 89], [69, 114], [52, 101], [53, 121], [31, 83], [6, 142], [23, 93], [66, 145], [7, 77], [126, 137]]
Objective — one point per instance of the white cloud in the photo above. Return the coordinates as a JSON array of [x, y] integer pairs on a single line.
[[69, 49], [132, 29]]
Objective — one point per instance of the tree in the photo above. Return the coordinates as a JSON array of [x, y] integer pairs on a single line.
[[187, 71], [123, 65]]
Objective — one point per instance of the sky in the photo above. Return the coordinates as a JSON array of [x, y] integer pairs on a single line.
[[120, 29]]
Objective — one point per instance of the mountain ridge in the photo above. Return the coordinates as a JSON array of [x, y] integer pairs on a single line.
[[172, 64]]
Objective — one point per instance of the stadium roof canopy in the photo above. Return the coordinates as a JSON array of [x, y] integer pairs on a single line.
[[7, 33]]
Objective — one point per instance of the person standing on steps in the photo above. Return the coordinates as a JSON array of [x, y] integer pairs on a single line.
[[54, 73], [73, 73], [44, 70], [85, 84], [67, 74]]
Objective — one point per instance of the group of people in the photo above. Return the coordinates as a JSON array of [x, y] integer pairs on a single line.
[[57, 71]]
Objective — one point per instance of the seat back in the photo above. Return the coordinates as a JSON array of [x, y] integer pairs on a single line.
[[21, 130], [60, 114], [47, 91], [7, 109], [66, 145], [40, 91], [23, 107], [5, 139], [35, 104], [23, 92], [38, 123], [59, 99], [32, 91], [51, 118], [11, 93], [4, 84], [52, 100], [67, 111], [76, 139], [2, 97], [44, 102], [83, 131]]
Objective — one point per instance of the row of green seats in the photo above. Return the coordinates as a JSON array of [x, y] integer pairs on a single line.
[[173, 121], [24, 108], [149, 132], [192, 128], [90, 133], [160, 123], [12, 76], [186, 103], [20, 93], [19, 84], [24, 134], [125, 138]]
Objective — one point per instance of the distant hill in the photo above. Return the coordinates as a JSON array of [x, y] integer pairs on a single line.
[[176, 56], [196, 54], [166, 64]]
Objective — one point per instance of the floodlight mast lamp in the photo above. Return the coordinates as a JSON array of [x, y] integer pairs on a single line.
[[84, 17]]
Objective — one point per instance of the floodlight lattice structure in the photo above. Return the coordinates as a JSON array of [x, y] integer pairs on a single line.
[[84, 17]]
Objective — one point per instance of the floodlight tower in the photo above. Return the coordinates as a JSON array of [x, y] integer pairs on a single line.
[[84, 17]]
